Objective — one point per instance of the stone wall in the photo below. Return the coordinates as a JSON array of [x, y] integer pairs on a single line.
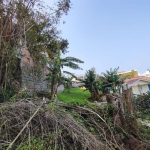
[[34, 84], [29, 79]]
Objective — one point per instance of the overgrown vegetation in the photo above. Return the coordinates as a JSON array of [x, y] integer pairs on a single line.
[[69, 120], [142, 104], [142, 111], [31, 125]]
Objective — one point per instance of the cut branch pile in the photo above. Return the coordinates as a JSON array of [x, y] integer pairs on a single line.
[[25, 119], [60, 126]]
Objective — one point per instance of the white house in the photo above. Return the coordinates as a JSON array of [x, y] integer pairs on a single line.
[[139, 85], [146, 74]]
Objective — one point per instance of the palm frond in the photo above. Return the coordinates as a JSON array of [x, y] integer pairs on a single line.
[[69, 73], [71, 65], [71, 59]]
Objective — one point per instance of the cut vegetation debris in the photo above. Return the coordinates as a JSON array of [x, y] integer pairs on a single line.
[[31, 125], [51, 124]]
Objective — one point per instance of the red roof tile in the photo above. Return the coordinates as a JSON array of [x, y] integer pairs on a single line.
[[132, 80]]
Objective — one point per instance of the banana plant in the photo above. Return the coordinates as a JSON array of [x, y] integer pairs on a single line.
[[112, 80], [55, 76], [91, 83]]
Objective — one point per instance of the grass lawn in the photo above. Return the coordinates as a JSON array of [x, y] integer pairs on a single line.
[[76, 96]]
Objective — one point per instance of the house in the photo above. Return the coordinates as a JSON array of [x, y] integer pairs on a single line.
[[76, 83], [146, 74], [139, 85]]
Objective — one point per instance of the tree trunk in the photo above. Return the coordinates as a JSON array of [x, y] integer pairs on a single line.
[[68, 86], [53, 88], [118, 113], [132, 123], [120, 120]]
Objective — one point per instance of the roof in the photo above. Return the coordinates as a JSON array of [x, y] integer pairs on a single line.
[[133, 80]]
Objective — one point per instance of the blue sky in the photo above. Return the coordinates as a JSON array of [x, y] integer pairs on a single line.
[[109, 33]]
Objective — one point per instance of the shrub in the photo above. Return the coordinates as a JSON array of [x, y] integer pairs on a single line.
[[142, 103]]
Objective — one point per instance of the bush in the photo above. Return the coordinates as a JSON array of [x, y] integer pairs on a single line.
[[142, 103]]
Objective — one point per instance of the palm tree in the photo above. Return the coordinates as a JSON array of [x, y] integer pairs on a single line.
[[55, 76]]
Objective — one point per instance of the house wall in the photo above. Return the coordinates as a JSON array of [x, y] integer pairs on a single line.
[[135, 89]]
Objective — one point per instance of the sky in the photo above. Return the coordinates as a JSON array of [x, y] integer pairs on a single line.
[[108, 33]]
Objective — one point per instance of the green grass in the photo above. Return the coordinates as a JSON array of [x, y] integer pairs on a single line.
[[76, 96]]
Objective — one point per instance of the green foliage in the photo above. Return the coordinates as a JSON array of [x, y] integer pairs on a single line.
[[6, 94], [111, 80], [76, 96], [36, 143], [144, 131], [18, 95], [142, 111], [90, 81], [92, 84], [100, 85], [142, 103]]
